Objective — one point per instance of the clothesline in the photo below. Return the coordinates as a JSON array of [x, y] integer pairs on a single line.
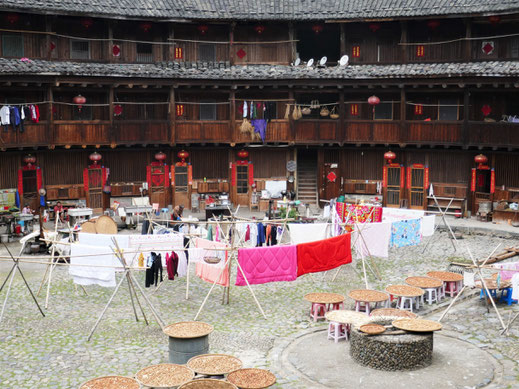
[[457, 40]]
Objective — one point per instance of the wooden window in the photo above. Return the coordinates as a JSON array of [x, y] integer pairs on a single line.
[[12, 45], [144, 52], [206, 52], [448, 109], [242, 179], [355, 51], [29, 181], [514, 47], [79, 49], [384, 111], [207, 110], [181, 179]]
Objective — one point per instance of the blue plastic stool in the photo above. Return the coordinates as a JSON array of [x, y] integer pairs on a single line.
[[483, 293], [506, 296]]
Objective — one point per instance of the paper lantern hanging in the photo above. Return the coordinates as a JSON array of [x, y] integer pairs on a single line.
[[374, 27], [481, 160], [259, 29], [12, 18], [118, 110], [389, 156], [79, 101], [433, 24], [486, 110], [95, 157], [373, 101], [243, 154], [145, 26], [29, 159], [183, 155], [116, 50], [317, 28], [87, 23], [202, 28], [494, 19], [160, 156]]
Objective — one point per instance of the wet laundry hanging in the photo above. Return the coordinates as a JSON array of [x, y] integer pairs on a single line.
[[260, 127], [154, 264], [172, 265]]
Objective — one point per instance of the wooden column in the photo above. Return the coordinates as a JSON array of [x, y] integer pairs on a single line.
[[50, 116], [342, 39], [109, 49], [231, 45], [172, 116], [48, 29], [465, 130], [403, 127], [403, 39], [293, 45], [171, 47], [232, 121], [290, 120], [468, 43], [341, 134], [111, 132]]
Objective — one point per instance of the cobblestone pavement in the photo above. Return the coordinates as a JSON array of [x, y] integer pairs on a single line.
[[53, 352]]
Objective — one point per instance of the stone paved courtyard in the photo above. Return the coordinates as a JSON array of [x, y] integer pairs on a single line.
[[53, 352]]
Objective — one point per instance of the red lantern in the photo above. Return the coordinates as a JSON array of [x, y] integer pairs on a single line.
[[243, 154], [317, 28], [118, 110], [160, 156], [183, 155], [146, 26], [95, 157], [486, 110], [259, 29], [389, 156], [373, 100], [494, 19], [433, 24], [203, 28], [12, 18], [481, 160], [87, 23], [79, 100], [374, 27], [29, 159]]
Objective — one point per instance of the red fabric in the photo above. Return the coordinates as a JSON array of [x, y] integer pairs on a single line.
[[233, 175], [172, 265], [104, 176], [85, 179], [247, 233], [190, 175], [20, 183], [324, 254], [39, 179], [251, 174], [166, 176]]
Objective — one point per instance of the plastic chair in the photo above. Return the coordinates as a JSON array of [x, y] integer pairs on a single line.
[[337, 331]]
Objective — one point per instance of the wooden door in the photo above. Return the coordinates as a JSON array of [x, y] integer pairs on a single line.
[[95, 189], [483, 187], [331, 181], [416, 187], [30, 189], [181, 189], [241, 187], [159, 185], [393, 188]]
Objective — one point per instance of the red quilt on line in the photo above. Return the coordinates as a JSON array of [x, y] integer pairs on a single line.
[[323, 255]]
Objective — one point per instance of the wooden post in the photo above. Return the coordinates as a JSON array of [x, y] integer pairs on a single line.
[[342, 39], [403, 39], [111, 133], [108, 51], [465, 130], [403, 135], [172, 115], [468, 43], [341, 134], [231, 39], [293, 44], [171, 47], [50, 117], [48, 29], [290, 120], [232, 110]]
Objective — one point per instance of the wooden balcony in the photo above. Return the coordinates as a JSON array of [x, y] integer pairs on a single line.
[[81, 133], [218, 131], [367, 131], [137, 131], [35, 134], [439, 132], [500, 134], [278, 130]]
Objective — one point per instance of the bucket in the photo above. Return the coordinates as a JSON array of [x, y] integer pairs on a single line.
[[18, 229], [4, 238], [182, 350]]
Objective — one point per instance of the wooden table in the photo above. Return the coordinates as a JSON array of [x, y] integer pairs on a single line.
[[452, 281], [365, 297]]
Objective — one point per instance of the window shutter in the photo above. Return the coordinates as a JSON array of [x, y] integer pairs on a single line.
[[12, 46]]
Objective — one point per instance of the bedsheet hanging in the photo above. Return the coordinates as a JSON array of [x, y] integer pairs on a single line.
[[406, 233], [323, 255]]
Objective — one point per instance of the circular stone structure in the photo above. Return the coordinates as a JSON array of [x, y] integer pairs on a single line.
[[405, 351]]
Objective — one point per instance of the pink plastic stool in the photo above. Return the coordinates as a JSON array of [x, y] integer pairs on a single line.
[[318, 311]]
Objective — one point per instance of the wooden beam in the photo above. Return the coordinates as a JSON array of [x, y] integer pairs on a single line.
[[232, 97], [172, 116], [342, 39], [171, 38], [292, 35], [468, 42], [111, 132], [231, 42], [403, 39], [110, 43], [403, 127]]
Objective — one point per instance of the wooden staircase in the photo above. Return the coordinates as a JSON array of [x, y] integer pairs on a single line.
[[307, 182]]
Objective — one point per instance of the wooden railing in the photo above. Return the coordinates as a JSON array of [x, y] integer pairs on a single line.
[[372, 131], [420, 132], [34, 134], [318, 130], [493, 134], [203, 131], [133, 131], [81, 133]]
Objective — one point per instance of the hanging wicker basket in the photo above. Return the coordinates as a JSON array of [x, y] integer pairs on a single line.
[[324, 112], [334, 114], [306, 111]]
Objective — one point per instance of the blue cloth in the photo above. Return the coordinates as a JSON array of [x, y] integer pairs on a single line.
[[17, 199], [14, 117], [261, 235], [406, 233], [260, 127], [42, 201]]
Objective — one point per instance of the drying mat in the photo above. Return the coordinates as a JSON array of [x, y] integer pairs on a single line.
[[404, 290], [207, 383], [417, 325], [424, 282], [368, 295], [164, 375], [492, 284], [445, 276], [188, 329], [324, 298], [393, 312], [372, 329], [89, 227], [347, 317], [252, 378], [106, 225], [214, 364], [111, 382]]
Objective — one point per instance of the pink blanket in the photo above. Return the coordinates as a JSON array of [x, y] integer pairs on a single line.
[[267, 264]]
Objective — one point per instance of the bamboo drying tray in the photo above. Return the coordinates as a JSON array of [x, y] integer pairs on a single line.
[[111, 382], [214, 364], [492, 284], [347, 317], [424, 282], [445, 276], [324, 298], [252, 378], [188, 329], [368, 295], [164, 375], [207, 383], [417, 325], [393, 312], [89, 227], [404, 290], [372, 329]]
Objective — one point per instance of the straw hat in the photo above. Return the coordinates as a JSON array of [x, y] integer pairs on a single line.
[[105, 225]]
